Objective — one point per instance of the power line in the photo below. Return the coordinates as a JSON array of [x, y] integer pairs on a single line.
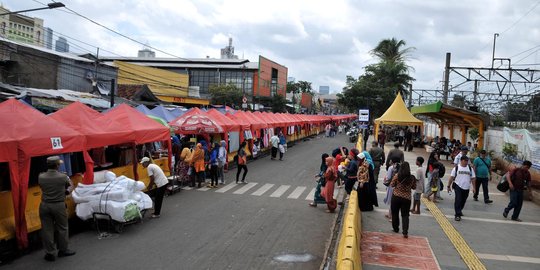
[[524, 15]]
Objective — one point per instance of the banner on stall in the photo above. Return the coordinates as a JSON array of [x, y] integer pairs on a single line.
[[527, 143]]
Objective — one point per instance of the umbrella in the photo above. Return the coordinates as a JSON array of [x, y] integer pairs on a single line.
[[196, 123]]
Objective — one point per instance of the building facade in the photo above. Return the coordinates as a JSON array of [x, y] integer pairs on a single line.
[[271, 79], [61, 45], [21, 28], [324, 90]]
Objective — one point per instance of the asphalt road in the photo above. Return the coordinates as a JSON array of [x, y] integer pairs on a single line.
[[231, 229]]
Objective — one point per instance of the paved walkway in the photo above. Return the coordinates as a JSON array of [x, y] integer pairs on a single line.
[[489, 238]]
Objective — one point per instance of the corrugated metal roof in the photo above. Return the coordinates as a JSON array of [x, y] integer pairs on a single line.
[[45, 50]]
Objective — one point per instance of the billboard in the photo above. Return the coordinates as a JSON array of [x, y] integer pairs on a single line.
[[363, 115]]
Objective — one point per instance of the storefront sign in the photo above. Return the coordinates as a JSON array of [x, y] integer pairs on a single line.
[[528, 144]]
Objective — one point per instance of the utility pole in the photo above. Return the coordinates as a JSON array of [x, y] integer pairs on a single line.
[[475, 93], [410, 96], [493, 56], [446, 78], [112, 92]]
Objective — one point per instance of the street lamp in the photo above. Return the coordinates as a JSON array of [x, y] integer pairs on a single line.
[[49, 6]]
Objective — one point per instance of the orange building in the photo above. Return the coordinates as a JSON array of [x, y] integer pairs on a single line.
[[270, 80]]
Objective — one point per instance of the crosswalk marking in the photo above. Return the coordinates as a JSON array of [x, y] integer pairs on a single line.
[[245, 188], [226, 188], [280, 191], [311, 195], [262, 189], [187, 188], [296, 193], [203, 189]]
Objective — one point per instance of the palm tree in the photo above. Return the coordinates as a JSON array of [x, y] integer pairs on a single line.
[[392, 68]]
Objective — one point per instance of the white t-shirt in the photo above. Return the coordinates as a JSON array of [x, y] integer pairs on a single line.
[[275, 141], [463, 177], [457, 160], [159, 177], [420, 180]]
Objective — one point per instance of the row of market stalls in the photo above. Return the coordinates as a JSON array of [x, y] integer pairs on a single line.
[[78, 128]]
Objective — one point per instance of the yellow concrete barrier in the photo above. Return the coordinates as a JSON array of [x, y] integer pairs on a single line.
[[348, 250]]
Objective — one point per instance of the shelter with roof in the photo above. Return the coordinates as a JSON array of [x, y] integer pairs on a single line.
[[449, 116], [397, 114]]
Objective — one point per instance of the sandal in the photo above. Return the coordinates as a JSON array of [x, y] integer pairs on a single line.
[[313, 204]]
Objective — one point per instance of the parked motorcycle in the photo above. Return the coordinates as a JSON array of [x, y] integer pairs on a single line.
[[353, 134]]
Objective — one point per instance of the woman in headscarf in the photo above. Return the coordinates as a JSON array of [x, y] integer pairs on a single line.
[[241, 162], [214, 166], [330, 177], [367, 196], [198, 164], [317, 198], [351, 170]]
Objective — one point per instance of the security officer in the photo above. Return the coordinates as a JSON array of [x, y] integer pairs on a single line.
[[52, 210]]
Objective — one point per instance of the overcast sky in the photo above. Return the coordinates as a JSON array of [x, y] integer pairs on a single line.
[[319, 41]]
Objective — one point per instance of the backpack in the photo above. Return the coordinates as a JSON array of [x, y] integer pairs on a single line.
[[456, 168], [442, 170], [235, 158]]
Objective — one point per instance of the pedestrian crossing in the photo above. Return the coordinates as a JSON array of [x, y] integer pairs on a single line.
[[265, 189]]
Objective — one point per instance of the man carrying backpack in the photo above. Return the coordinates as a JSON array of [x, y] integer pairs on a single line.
[[520, 180], [482, 164], [461, 180]]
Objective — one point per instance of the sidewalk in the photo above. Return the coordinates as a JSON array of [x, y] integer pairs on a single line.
[[499, 243]]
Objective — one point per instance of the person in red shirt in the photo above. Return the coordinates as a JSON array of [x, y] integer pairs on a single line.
[[520, 180], [381, 138]]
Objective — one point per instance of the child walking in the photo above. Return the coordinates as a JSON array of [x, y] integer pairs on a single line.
[[419, 185], [434, 182]]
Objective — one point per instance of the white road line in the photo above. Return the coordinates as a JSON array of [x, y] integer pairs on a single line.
[[311, 195], [296, 193], [262, 189], [245, 188], [480, 195], [280, 191], [490, 220], [203, 189], [187, 188], [508, 258], [226, 188]]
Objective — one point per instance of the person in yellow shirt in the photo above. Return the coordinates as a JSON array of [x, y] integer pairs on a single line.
[[198, 165]]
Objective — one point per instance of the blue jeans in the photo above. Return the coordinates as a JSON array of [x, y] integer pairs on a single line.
[[516, 202]]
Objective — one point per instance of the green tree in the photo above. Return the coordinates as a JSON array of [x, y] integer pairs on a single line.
[[278, 103], [392, 69], [292, 87], [226, 95], [366, 92]]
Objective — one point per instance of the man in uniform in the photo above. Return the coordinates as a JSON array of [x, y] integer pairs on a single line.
[[52, 210], [377, 155]]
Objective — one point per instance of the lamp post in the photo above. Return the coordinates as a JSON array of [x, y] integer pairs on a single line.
[[49, 6]]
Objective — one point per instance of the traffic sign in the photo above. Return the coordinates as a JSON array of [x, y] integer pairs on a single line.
[[363, 115]]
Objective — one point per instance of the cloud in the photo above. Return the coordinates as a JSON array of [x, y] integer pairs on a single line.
[[319, 41]]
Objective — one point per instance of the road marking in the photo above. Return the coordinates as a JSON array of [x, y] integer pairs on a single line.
[[490, 220], [296, 193], [464, 250], [187, 188], [311, 195], [262, 190], [508, 258], [226, 188], [203, 189], [245, 188], [280, 191]]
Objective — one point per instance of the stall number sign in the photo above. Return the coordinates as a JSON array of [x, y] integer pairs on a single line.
[[363, 115], [56, 143]]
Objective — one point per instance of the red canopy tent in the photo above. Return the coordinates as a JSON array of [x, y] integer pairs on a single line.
[[224, 121], [99, 130], [29, 133], [196, 121], [143, 128], [268, 118]]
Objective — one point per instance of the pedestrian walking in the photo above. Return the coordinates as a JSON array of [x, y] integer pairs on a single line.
[[321, 182], [419, 175], [282, 145], [242, 162], [274, 141], [198, 166], [330, 177], [392, 170], [434, 163], [214, 166], [402, 183], [464, 152], [52, 210], [395, 154], [377, 154], [519, 181], [401, 136], [461, 180], [482, 165], [157, 178], [381, 138], [222, 161], [433, 182]]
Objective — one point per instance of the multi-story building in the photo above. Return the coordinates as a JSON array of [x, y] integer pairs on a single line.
[[21, 28], [263, 79], [228, 52], [48, 38], [61, 45]]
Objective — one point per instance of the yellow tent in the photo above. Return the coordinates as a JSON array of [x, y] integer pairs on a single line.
[[397, 114]]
